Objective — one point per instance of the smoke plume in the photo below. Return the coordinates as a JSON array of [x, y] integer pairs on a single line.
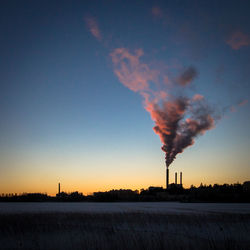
[[178, 120]]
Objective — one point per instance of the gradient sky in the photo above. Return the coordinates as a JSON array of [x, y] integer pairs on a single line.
[[66, 117]]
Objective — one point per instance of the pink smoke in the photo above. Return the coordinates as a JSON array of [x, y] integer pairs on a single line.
[[240, 104], [238, 40], [178, 120], [93, 27], [198, 97]]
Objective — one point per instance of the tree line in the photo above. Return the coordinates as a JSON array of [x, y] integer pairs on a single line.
[[203, 193]]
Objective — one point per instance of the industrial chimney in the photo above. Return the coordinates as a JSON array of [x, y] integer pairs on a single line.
[[181, 179], [175, 178], [59, 188], [167, 177]]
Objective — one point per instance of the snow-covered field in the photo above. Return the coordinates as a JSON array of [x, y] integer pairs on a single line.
[[120, 207], [147, 225]]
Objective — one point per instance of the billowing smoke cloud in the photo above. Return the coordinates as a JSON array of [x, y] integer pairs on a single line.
[[178, 120], [177, 132]]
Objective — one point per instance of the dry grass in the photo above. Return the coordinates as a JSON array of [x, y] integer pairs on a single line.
[[124, 231]]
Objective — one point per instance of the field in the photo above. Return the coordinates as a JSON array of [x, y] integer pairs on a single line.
[[124, 226]]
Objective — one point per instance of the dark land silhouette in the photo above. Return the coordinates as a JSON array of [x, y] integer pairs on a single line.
[[129, 229], [203, 193]]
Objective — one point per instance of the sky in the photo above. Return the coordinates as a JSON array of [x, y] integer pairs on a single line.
[[81, 81]]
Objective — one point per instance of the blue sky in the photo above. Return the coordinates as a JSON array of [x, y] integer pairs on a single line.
[[65, 115]]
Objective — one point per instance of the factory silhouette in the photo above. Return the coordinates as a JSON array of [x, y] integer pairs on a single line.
[[171, 187], [175, 183], [174, 192]]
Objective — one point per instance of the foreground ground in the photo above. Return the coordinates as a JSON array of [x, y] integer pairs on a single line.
[[124, 226], [114, 207]]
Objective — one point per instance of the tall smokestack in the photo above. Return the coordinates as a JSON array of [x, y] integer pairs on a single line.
[[181, 178], [59, 188], [167, 177], [175, 178]]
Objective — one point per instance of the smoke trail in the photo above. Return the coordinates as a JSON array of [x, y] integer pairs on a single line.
[[178, 120]]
